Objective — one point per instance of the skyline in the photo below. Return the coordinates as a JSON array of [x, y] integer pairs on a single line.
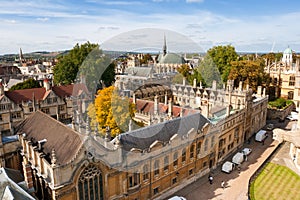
[[253, 26]]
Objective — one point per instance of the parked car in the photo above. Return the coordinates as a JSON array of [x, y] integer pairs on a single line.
[[177, 198], [261, 136], [238, 158], [246, 151], [228, 167]]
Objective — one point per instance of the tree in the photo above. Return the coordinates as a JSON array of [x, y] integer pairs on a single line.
[[250, 72], [222, 56], [110, 109], [189, 74], [146, 58], [30, 83], [209, 71], [184, 70], [84, 60]]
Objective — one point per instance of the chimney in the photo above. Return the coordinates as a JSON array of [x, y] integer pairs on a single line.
[[247, 87], [200, 84], [41, 143], [240, 86], [156, 105], [166, 98], [46, 84], [107, 134], [229, 105], [214, 85], [170, 108], [264, 92], [194, 83], [134, 98], [183, 81], [259, 91], [1, 89], [130, 126], [53, 158], [87, 128], [181, 112]]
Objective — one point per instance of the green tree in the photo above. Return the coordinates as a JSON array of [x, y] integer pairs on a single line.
[[146, 58], [84, 60], [109, 109], [209, 71], [222, 56], [30, 83], [250, 72]]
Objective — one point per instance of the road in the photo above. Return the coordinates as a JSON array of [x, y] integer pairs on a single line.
[[236, 182]]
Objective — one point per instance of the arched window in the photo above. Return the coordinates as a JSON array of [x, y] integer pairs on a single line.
[[90, 184]]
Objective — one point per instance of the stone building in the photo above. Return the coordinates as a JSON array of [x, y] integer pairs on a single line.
[[59, 102], [285, 76], [141, 164]]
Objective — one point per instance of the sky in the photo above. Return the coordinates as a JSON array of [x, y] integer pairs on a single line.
[[55, 25]]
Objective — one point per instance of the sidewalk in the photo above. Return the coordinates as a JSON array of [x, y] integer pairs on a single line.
[[236, 182]]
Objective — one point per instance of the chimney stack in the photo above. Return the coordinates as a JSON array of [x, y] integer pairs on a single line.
[[170, 108], [194, 83], [46, 84], [156, 105]]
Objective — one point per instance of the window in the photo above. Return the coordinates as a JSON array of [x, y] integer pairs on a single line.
[[5, 107], [45, 110], [166, 163], [198, 148], [212, 142], [230, 138], [155, 191], [30, 109], [174, 180], [204, 164], [16, 115], [206, 144], [156, 167], [292, 81], [175, 159], [183, 156], [192, 151], [1, 118], [90, 184], [134, 179], [61, 107], [145, 172], [190, 172]]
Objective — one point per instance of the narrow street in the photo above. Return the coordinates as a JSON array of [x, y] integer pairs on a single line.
[[237, 181]]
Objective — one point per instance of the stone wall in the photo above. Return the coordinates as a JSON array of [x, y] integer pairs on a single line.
[[280, 114]]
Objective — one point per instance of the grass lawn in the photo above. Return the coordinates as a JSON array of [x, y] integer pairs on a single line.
[[275, 182]]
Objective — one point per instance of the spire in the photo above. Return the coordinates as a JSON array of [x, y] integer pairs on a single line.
[[21, 58], [165, 46]]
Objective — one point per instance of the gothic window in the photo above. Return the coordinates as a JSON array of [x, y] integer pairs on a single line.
[[175, 159], [292, 81], [134, 179], [145, 172], [198, 148], [166, 163], [90, 184], [192, 151], [156, 167], [183, 156], [206, 144]]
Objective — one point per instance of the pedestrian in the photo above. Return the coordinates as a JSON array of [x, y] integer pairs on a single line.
[[210, 178], [223, 185]]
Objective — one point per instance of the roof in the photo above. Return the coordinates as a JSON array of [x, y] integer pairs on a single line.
[[170, 58], [146, 106], [70, 90], [65, 141], [142, 138], [288, 51], [39, 94], [139, 71], [9, 189]]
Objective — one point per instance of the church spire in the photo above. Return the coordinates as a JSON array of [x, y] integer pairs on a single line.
[[21, 58], [165, 46]]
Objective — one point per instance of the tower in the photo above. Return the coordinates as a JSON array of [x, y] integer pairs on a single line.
[[21, 58], [165, 46]]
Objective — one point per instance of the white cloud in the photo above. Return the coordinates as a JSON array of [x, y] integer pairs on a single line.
[[42, 19]]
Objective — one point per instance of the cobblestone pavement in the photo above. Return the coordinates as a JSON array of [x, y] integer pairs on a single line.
[[237, 181]]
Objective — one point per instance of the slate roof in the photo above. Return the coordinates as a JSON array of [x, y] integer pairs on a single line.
[[65, 141], [139, 71], [171, 58], [9, 189], [142, 138]]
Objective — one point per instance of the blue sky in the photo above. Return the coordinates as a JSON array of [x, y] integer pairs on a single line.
[[258, 26]]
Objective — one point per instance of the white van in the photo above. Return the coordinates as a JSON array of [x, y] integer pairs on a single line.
[[238, 158], [177, 198], [260, 135], [228, 167]]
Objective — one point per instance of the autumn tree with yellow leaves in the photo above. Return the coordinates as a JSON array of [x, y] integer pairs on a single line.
[[110, 109]]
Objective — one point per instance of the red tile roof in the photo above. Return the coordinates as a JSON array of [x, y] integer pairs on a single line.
[[40, 94]]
